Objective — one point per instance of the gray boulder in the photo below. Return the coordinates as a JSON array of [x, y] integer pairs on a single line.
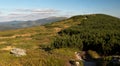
[[18, 52]]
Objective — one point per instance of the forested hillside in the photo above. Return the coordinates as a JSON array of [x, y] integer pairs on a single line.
[[96, 32]]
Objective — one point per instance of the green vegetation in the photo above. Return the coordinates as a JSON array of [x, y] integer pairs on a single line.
[[68, 41], [35, 40], [96, 32], [55, 44]]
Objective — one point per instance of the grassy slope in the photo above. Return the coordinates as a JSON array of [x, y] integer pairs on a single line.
[[31, 39]]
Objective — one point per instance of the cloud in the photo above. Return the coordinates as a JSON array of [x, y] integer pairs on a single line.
[[44, 11], [1, 12], [29, 14], [48, 11]]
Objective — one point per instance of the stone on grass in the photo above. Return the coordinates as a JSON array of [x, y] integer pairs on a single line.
[[18, 52], [78, 56]]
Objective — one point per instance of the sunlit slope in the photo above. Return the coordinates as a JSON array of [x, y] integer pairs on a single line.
[[34, 40], [31, 40]]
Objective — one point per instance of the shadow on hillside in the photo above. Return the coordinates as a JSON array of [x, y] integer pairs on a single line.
[[45, 48]]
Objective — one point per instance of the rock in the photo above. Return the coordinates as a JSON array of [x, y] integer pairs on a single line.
[[18, 52], [74, 62], [77, 63], [78, 56]]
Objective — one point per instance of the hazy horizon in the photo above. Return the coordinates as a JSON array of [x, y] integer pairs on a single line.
[[23, 10]]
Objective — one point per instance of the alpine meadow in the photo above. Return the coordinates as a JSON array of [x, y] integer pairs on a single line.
[[59, 33]]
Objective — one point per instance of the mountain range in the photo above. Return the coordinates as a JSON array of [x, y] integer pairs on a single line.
[[24, 24]]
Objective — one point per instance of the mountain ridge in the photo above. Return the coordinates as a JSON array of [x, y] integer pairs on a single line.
[[24, 24]]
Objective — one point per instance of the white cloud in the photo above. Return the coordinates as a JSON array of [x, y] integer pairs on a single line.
[[50, 11], [37, 10], [29, 14], [0, 12]]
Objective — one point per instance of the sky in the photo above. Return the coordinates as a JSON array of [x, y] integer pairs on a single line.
[[38, 9]]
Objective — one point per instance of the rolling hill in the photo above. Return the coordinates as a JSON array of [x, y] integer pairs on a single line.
[[54, 44], [97, 32]]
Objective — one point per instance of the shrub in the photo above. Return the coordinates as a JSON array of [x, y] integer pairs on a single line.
[[98, 32], [67, 41]]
